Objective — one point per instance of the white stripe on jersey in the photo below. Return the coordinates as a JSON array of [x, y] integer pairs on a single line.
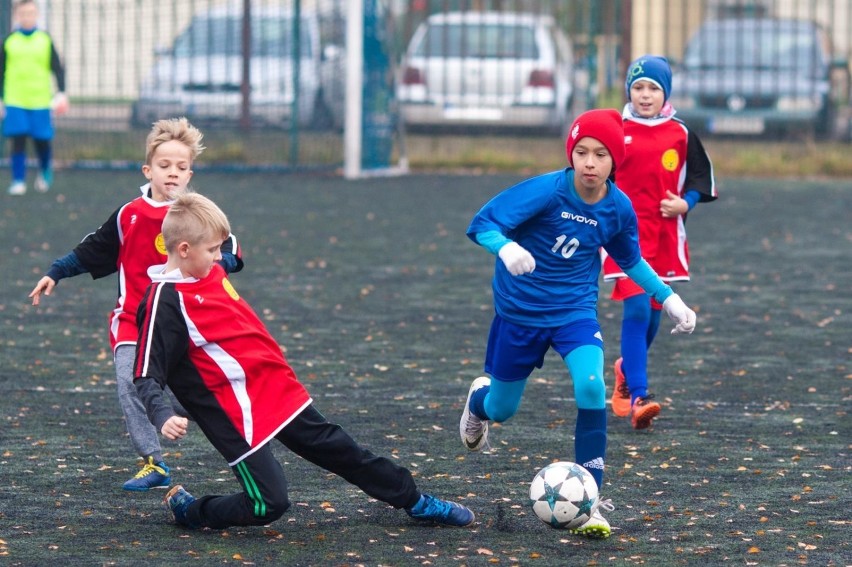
[[228, 365], [154, 301]]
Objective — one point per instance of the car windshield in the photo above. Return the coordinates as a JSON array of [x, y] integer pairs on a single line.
[[487, 41], [223, 36], [761, 48]]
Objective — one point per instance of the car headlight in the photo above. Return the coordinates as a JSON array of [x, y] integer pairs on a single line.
[[798, 103]]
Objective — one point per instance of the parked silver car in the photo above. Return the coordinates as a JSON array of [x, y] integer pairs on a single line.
[[487, 68], [201, 75]]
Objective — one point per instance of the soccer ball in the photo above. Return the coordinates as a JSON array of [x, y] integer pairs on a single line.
[[563, 495]]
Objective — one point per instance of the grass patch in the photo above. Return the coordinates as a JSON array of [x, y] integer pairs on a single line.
[[383, 305]]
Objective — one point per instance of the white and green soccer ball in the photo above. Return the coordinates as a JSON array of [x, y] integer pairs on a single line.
[[563, 495]]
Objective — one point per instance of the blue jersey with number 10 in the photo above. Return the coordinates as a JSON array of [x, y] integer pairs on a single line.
[[564, 234]]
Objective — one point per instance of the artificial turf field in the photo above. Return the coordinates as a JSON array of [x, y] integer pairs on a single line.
[[383, 306]]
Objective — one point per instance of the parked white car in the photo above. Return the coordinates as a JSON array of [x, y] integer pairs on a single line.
[[487, 68], [201, 75]]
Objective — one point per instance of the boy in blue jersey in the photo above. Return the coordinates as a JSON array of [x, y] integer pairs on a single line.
[[547, 233]]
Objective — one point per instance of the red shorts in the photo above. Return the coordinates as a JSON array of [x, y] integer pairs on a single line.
[[625, 288]]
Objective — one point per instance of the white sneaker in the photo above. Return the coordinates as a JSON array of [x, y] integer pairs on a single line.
[[596, 527], [42, 181], [17, 188], [474, 431]]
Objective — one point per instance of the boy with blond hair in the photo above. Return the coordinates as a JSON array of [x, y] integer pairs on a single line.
[[128, 243], [202, 340]]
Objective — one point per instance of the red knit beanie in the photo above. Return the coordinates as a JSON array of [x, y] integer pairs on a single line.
[[604, 125]]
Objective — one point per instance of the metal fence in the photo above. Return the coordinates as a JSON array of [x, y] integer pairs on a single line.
[[232, 67]]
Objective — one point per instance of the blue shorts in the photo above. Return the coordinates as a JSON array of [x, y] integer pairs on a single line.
[[514, 351], [24, 122]]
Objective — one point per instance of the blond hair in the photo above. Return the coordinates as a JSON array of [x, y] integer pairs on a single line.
[[178, 129], [193, 218]]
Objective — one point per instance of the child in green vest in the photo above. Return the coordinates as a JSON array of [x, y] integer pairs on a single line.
[[27, 61]]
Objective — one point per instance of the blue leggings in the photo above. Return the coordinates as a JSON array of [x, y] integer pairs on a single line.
[[503, 398], [639, 326], [585, 363]]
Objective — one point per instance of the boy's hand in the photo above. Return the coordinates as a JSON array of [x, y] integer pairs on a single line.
[[673, 206], [175, 428], [683, 316], [45, 285], [516, 258], [60, 104]]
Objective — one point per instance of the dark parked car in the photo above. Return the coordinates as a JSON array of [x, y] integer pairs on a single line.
[[755, 76]]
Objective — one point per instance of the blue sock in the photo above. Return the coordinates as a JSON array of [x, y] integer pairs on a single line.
[[590, 442], [653, 326], [45, 154], [634, 344], [477, 402], [19, 166], [634, 350]]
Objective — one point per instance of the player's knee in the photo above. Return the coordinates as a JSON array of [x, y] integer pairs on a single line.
[[590, 393], [272, 508], [501, 411]]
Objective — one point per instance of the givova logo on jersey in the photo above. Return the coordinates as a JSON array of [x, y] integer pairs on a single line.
[[579, 218]]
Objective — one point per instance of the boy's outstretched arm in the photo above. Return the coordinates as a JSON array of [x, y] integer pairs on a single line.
[[163, 338], [645, 277], [45, 285], [65, 267]]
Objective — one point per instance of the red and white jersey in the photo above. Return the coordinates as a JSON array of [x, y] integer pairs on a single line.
[[661, 155], [206, 343], [130, 242]]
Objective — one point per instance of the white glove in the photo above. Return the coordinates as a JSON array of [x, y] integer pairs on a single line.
[[516, 258], [683, 316], [60, 104]]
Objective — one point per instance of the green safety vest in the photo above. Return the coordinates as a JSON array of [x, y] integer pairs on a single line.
[[28, 74]]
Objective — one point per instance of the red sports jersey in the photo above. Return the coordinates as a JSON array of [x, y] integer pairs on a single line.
[[661, 155], [206, 343], [129, 243], [140, 233]]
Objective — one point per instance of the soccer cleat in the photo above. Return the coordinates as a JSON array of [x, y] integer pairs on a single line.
[[620, 392], [431, 509], [152, 475], [596, 527], [644, 410], [44, 180], [178, 501], [474, 431], [17, 188]]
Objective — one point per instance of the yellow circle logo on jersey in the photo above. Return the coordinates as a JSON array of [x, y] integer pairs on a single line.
[[160, 244], [230, 290], [670, 160]]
